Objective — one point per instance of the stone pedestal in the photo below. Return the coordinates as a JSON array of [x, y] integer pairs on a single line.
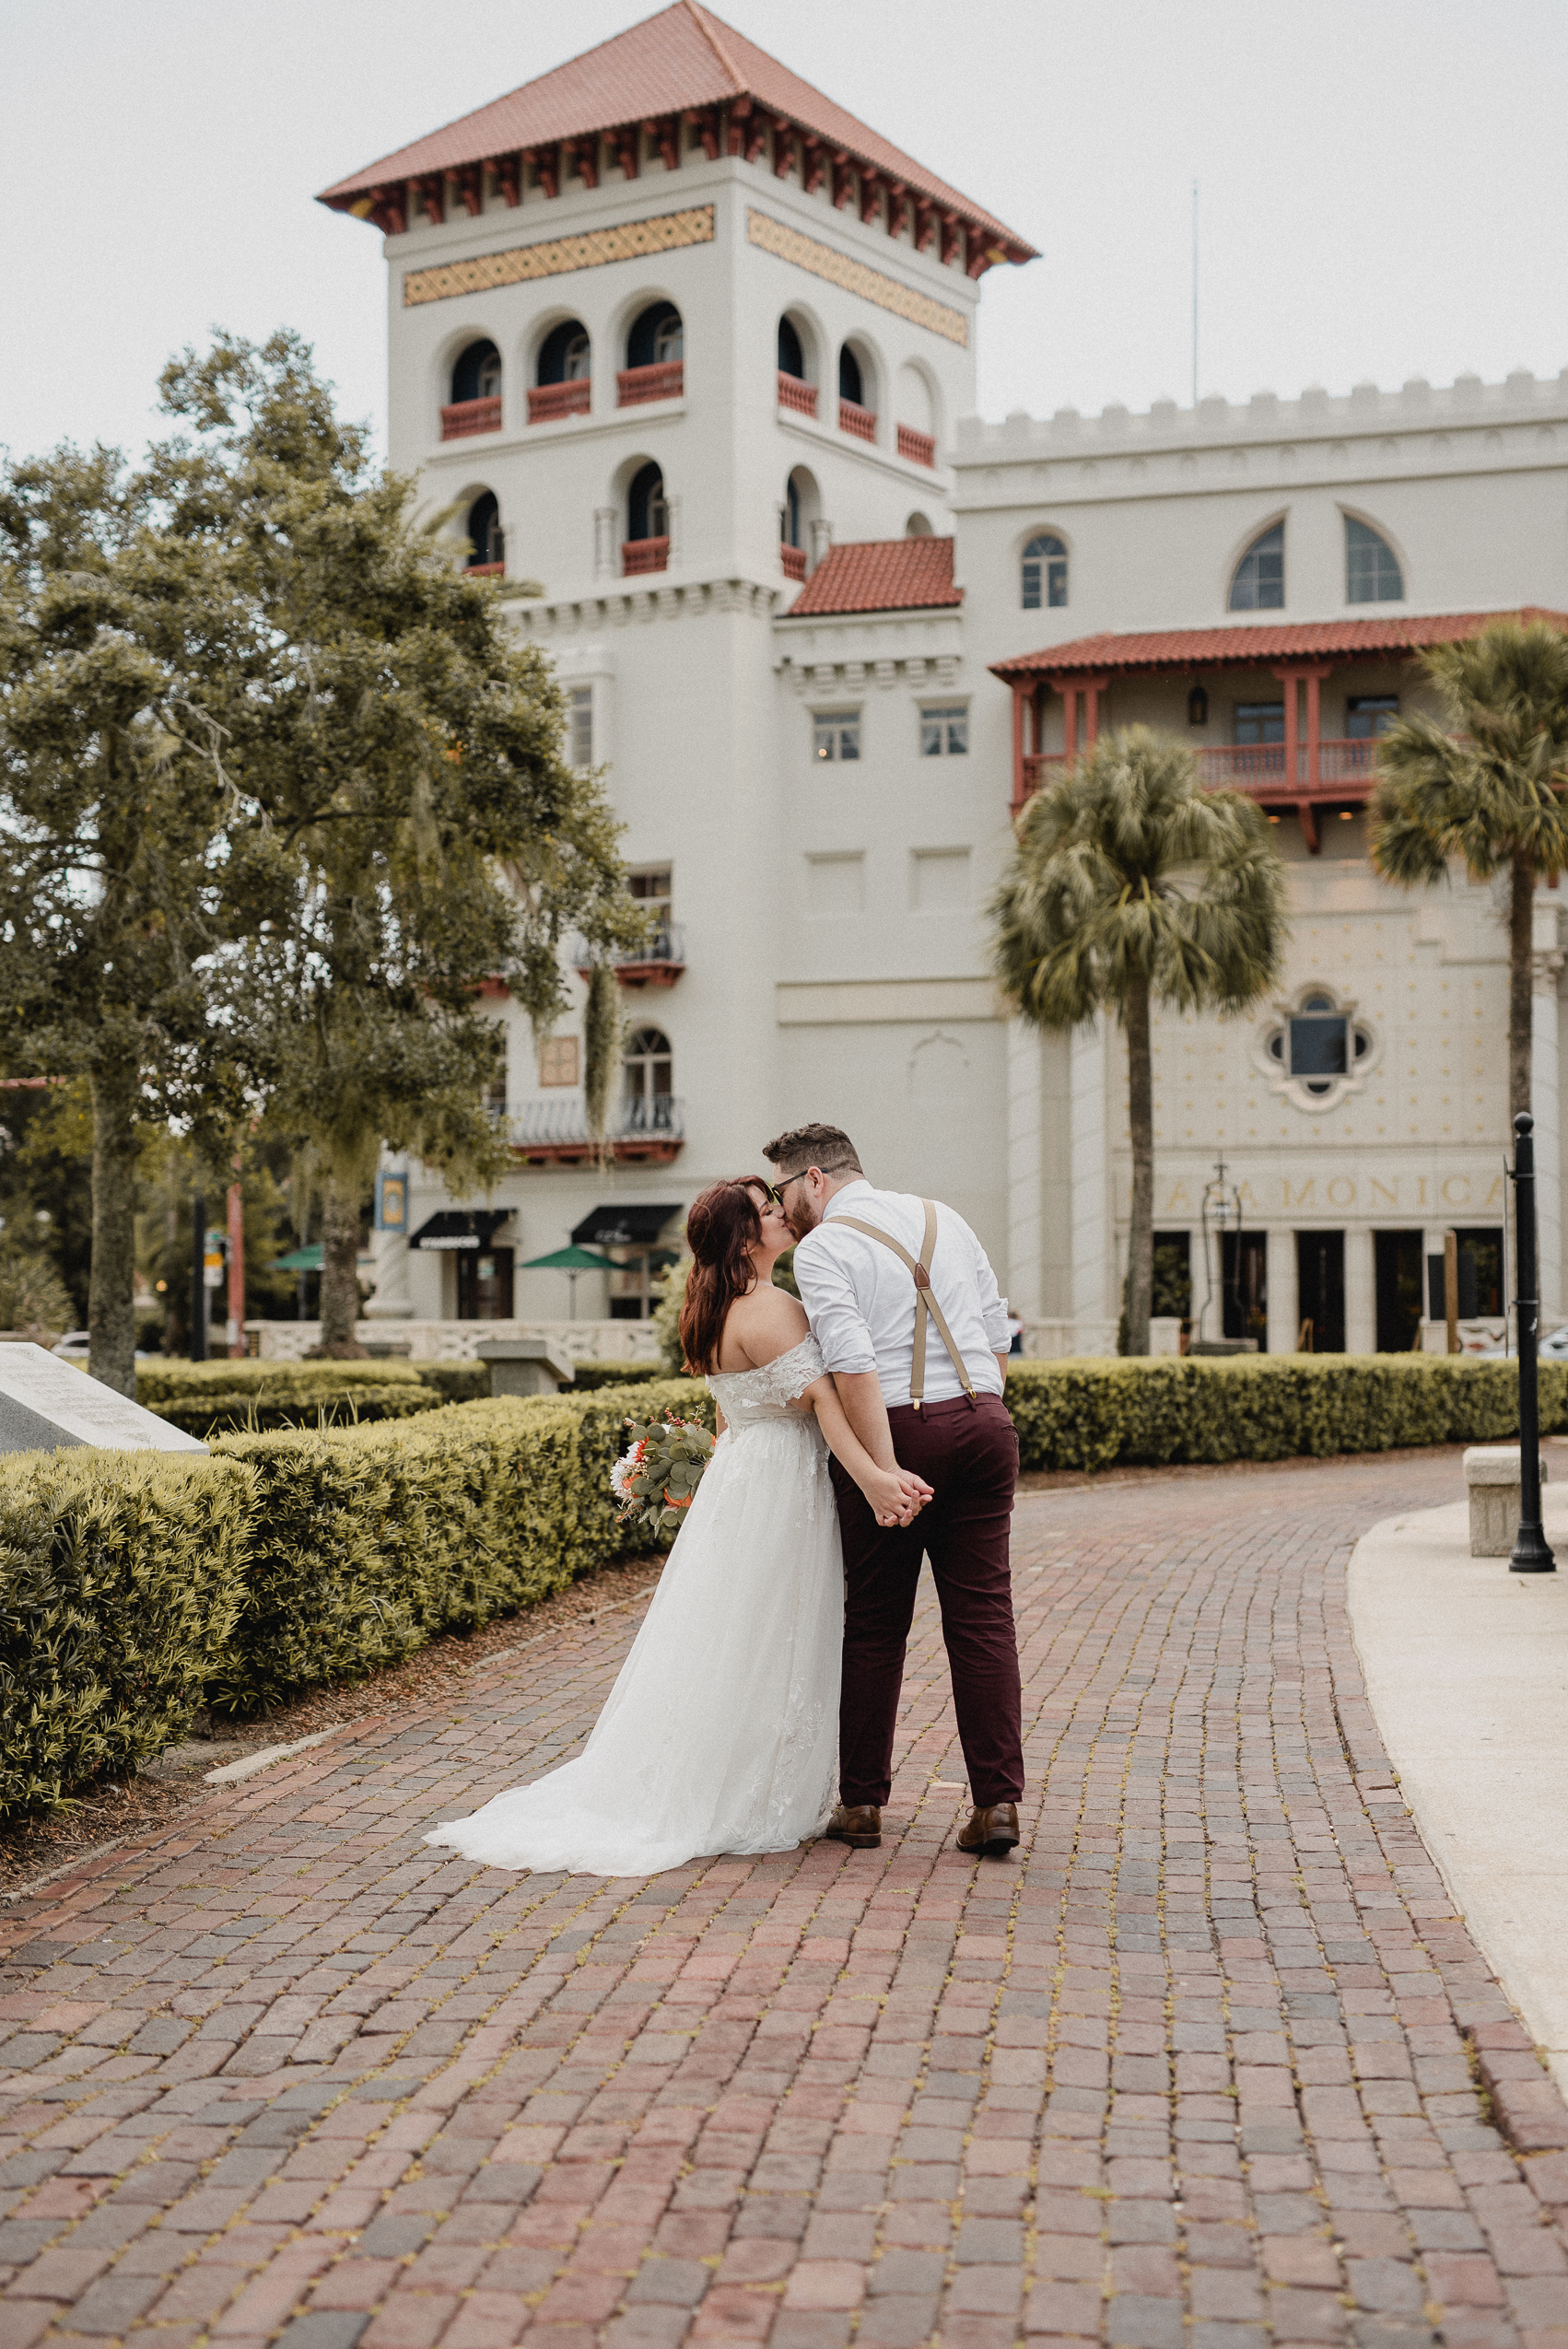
[[47, 1405], [524, 1366], [1492, 1479]]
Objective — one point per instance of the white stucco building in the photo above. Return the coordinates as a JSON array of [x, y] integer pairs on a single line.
[[692, 352]]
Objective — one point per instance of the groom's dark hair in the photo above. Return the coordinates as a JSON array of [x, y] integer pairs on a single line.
[[828, 1147]]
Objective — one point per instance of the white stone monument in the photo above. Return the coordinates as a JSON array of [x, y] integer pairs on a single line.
[[47, 1405]]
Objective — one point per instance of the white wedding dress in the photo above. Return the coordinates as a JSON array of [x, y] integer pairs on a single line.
[[721, 1731]]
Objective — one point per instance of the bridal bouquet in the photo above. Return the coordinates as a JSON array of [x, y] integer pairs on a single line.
[[659, 1476]]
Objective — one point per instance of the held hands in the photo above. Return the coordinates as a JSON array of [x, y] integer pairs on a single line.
[[896, 1495]]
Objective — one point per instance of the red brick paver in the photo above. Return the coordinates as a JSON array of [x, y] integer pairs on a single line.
[[1207, 2059]]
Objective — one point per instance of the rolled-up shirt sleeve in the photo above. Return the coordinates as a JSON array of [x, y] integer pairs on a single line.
[[993, 1313], [832, 1307]]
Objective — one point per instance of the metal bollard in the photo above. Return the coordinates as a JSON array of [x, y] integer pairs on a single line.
[[1532, 1552]]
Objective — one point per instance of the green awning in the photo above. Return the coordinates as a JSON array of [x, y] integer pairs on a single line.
[[299, 1260], [572, 1259]]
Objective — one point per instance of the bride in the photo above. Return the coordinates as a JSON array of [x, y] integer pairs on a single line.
[[721, 1732]]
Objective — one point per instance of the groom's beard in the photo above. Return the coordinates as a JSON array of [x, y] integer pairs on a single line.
[[802, 1219]]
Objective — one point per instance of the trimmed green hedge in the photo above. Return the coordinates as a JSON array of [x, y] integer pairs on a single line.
[[220, 1397], [1097, 1414], [592, 1376]]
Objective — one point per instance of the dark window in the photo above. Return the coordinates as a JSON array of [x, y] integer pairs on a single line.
[[1320, 1290], [1172, 1275], [648, 515], [1396, 1255], [1372, 570], [484, 534], [1480, 1277], [1244, 1285], [477, 374], [656, 337], [1045, 574], [791, 358], [1260, 581], [1258, 722], [1319, 1043], [851, 384], [1368, 715], [566, 355], [791, 517], [485, 1284]]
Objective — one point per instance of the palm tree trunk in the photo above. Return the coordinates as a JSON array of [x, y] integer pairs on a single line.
[[1141, 1118], [1521, 912], [111, 1323], [340, 1270]]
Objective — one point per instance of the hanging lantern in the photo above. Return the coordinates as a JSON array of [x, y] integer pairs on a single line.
[[1198, 707]]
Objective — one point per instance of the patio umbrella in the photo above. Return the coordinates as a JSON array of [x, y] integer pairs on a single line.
[[571, 1261]]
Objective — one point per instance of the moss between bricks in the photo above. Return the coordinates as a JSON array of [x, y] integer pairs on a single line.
[[135, 1589]]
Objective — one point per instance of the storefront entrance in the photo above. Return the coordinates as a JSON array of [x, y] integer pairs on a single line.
[[1244, 1272], [1320, 1291], [1397, 1262]]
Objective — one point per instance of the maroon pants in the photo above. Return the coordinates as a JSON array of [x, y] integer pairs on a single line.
[[968, 1452]]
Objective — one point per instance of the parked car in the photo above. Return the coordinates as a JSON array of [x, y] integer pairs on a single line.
[[77, 1346]]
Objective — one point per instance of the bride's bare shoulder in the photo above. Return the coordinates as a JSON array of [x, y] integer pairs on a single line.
[[759, 1327]]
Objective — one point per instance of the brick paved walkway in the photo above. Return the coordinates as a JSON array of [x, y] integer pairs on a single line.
[[1198, 2064]]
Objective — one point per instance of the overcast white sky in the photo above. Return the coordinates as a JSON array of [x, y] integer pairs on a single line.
[[1384, 182]]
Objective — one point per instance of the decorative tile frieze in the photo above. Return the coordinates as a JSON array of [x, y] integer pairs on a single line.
[[856, 277], [520, 264]]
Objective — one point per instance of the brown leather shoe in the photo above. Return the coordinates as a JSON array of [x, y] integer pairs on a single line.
[[991, 1831], [860, 1825]]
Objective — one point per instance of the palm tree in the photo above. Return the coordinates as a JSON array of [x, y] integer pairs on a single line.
[[1486, 785], [1130, 885]]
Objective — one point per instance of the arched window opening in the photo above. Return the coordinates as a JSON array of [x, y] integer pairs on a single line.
[[791, 517], [791, 356], [648, 523], [487, 541], [799, 519], [1260, 581], [855, 394], [1045, 573], [566, 355], [1372, 569], [918, 526], [649, 1081], [851, 383], [655, 356], [476, 373]]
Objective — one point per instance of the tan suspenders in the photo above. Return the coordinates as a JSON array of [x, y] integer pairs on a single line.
[[925, 1302]]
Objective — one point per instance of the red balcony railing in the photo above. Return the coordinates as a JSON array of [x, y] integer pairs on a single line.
[[548, 401], [794, 561], [644, 554], [484, 570], [664, 382], [861, 422], [464, 418], [793, 393], [1344, 769], [919, 447]]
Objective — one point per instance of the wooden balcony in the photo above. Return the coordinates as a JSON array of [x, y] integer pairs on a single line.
[[919, 447], [637, 1133], [861, 422], [658, 962], [664, 382], [1342, 775], [547, 402], [640, 554], [465, 417], [485, 571], [793, 558], [795, 394]]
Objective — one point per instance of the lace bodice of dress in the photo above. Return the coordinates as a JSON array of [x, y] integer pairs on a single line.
[[748, 1398]]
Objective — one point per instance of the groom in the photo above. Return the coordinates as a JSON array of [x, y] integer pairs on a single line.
[[863, 1258]]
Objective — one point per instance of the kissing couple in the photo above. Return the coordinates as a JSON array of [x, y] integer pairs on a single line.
[[860, 1428]]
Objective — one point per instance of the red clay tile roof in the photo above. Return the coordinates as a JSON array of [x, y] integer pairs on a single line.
[[1251, 648], [880, 574], [683, 57]]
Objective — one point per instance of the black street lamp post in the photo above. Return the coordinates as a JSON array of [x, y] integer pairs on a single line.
[[1532, 1552]]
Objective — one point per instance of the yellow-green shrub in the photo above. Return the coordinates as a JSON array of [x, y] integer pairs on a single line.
[[1094, 1414], [220, 1397]]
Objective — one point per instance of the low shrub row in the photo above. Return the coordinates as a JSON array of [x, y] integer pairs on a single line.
[[134, 1588], [220, 1397], [591, 1376], [1097, 1414]]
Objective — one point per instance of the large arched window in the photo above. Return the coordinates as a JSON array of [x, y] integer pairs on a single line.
[[647, 514], [1260, 581], [1045, 573], [566, 355], [657, 337], [1372, 569], [792, 354], [851, 382], [487, 541], [476, 373], [650, 1081]]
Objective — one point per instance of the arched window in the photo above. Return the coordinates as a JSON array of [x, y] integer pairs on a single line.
[[1045, 573], [476, 373], [648, 515], [1260, 581], [791, 517], [791, 356], [851, 382], [1372, 569], [486, 538], [566, 355], [650, 1071], [656, 336], [918, 526]]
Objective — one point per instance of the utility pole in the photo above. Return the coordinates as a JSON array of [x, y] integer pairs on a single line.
[[1532, 1552]]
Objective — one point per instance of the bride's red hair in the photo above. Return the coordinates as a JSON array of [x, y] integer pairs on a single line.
[[723, 1225]]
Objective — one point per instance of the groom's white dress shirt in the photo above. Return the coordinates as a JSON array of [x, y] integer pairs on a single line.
[[861, 1300]]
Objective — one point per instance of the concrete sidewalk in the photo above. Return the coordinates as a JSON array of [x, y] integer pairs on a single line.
[[1467, 1672]]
